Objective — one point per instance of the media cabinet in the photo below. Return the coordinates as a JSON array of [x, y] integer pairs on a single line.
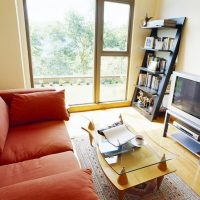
[[187, 134]]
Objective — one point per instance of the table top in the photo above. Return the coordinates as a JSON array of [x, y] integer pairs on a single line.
[[137, 173], [139, 156]]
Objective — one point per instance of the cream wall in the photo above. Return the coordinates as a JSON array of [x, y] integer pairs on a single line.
[[11, 72], [141, 7], [189, 54]]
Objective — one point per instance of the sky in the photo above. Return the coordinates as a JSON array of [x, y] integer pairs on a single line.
[[48, 10], [54, 10]]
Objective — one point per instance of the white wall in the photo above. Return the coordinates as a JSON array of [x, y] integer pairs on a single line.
[[189, 54], [11, 72]]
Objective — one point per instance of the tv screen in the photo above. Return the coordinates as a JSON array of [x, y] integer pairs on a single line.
[[186, 96]]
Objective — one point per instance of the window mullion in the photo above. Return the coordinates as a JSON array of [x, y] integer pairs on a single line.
[[99, 46]]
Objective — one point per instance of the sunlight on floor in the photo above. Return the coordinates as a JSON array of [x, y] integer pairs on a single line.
[[106, 117]]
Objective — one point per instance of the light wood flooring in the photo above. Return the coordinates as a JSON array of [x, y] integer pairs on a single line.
[[187, 164]]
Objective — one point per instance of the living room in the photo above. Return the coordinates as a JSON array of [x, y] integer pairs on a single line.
[[16, 73]]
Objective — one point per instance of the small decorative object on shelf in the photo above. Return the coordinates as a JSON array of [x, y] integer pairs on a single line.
[[151, 102], [161, 50], [144, 102], [140, 99], [161, 22], [146, 19], [149, 43]]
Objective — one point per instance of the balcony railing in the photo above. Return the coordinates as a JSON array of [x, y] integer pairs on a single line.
[[82, 79]]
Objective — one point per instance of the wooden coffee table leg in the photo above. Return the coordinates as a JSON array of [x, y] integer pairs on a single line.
[[90, 132], [159, 181], [121, 194]]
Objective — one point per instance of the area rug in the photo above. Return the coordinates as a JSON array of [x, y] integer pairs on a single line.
[[172, 188]]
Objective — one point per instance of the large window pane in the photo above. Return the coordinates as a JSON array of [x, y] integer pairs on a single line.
[[62, 42], [116, 22], [113, 78]]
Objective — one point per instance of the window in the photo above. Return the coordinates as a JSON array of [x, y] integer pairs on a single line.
[[73, 49], [114, 54]]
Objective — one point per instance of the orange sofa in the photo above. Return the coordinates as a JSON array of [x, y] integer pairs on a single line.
[[36, 155]]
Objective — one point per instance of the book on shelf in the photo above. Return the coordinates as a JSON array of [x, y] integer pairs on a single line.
[[169, 85], [161, 22], [168, 43], [165, 43], [154, 63], [158, 43], [148, 80], [118, 135], [150, 57], [142, 79], [155, 82], [171, 44], [162, 65]]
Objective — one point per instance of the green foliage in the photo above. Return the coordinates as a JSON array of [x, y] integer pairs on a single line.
[[67, 48]]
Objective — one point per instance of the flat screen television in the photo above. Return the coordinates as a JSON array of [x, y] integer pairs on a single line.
[[184, 97]]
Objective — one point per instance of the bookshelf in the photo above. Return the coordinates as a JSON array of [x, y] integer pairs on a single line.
[[160, 53]]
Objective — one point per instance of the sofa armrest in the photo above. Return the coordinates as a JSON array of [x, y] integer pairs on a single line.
[[75, 184]]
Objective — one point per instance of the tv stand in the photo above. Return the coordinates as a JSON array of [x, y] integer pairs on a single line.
[[188, 133]]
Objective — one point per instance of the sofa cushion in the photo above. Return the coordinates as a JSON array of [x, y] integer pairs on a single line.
[[75, 184], [37, 168], [35, 140], [7, 95], [4, 123], [37, 107]]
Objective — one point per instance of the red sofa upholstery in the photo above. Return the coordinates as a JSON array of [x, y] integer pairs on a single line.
[[37, 159]]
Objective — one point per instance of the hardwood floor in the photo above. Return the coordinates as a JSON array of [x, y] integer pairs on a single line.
[[187, 164]]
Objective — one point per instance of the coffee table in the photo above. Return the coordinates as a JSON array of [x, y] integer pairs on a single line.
[[143, 164]]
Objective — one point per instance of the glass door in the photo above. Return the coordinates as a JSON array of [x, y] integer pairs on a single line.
[[82, 46], [62, 41], [114, 50]]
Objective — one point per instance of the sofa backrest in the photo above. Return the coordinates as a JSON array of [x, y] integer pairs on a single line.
[[7, 95], [34, 105], [4, 123]]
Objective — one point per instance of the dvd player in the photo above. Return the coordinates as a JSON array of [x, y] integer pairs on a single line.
[[186, 130]]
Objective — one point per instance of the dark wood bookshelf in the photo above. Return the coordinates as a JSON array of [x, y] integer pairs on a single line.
[[170, 57], [143, 110], [147, 90], [149, 49], [145, 69], [154, 27]]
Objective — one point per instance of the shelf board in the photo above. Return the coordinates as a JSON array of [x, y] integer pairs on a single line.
[[142, 109], [152, 72], [156, 50], [188, 142], [153, 27], [147, 90]]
